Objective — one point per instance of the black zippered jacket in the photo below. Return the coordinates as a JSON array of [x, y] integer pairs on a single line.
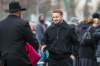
[[60, 38]]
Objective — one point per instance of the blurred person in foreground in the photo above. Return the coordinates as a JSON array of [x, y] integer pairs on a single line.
[[14, 34], [59, 39]]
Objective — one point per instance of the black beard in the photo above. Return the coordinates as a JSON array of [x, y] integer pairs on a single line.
[[41, 21]]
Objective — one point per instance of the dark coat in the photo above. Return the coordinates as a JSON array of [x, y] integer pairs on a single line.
[[40, 32], [88, 45], [14, 33], [60, 39], [88, 49], [97, 38]]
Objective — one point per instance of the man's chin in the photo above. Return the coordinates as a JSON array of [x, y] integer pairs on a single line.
[[56, 22]]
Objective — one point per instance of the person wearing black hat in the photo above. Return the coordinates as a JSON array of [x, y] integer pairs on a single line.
[[96, 15], [14, 33]]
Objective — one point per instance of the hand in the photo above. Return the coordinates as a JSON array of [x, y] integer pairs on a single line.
[[72, 56], [43, 47]]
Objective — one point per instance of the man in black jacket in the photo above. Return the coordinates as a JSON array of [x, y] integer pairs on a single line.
[[14, 33], [59, 39]]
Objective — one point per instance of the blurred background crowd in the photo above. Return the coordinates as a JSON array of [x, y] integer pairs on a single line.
[[71, 8]]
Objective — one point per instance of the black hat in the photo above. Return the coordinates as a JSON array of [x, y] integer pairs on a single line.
[[96, 15], [15, 6]]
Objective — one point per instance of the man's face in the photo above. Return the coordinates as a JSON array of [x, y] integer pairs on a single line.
[[57, 18], [19, 14], [42, 19], [96, 22]]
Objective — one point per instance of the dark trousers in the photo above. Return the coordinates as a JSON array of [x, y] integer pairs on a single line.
[[59, 59], [87, 62], [60, 62], [14, 62]]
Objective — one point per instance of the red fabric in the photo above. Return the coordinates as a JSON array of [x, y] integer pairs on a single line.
[[32, 54]]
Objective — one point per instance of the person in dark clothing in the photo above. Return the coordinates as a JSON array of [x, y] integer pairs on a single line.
[[41, 28], [87, 48], [14, 35], [97, 30], [75, 49], [59, 39], [96, 17]]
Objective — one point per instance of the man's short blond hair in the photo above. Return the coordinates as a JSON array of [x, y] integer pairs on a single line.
[[58, 11]]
